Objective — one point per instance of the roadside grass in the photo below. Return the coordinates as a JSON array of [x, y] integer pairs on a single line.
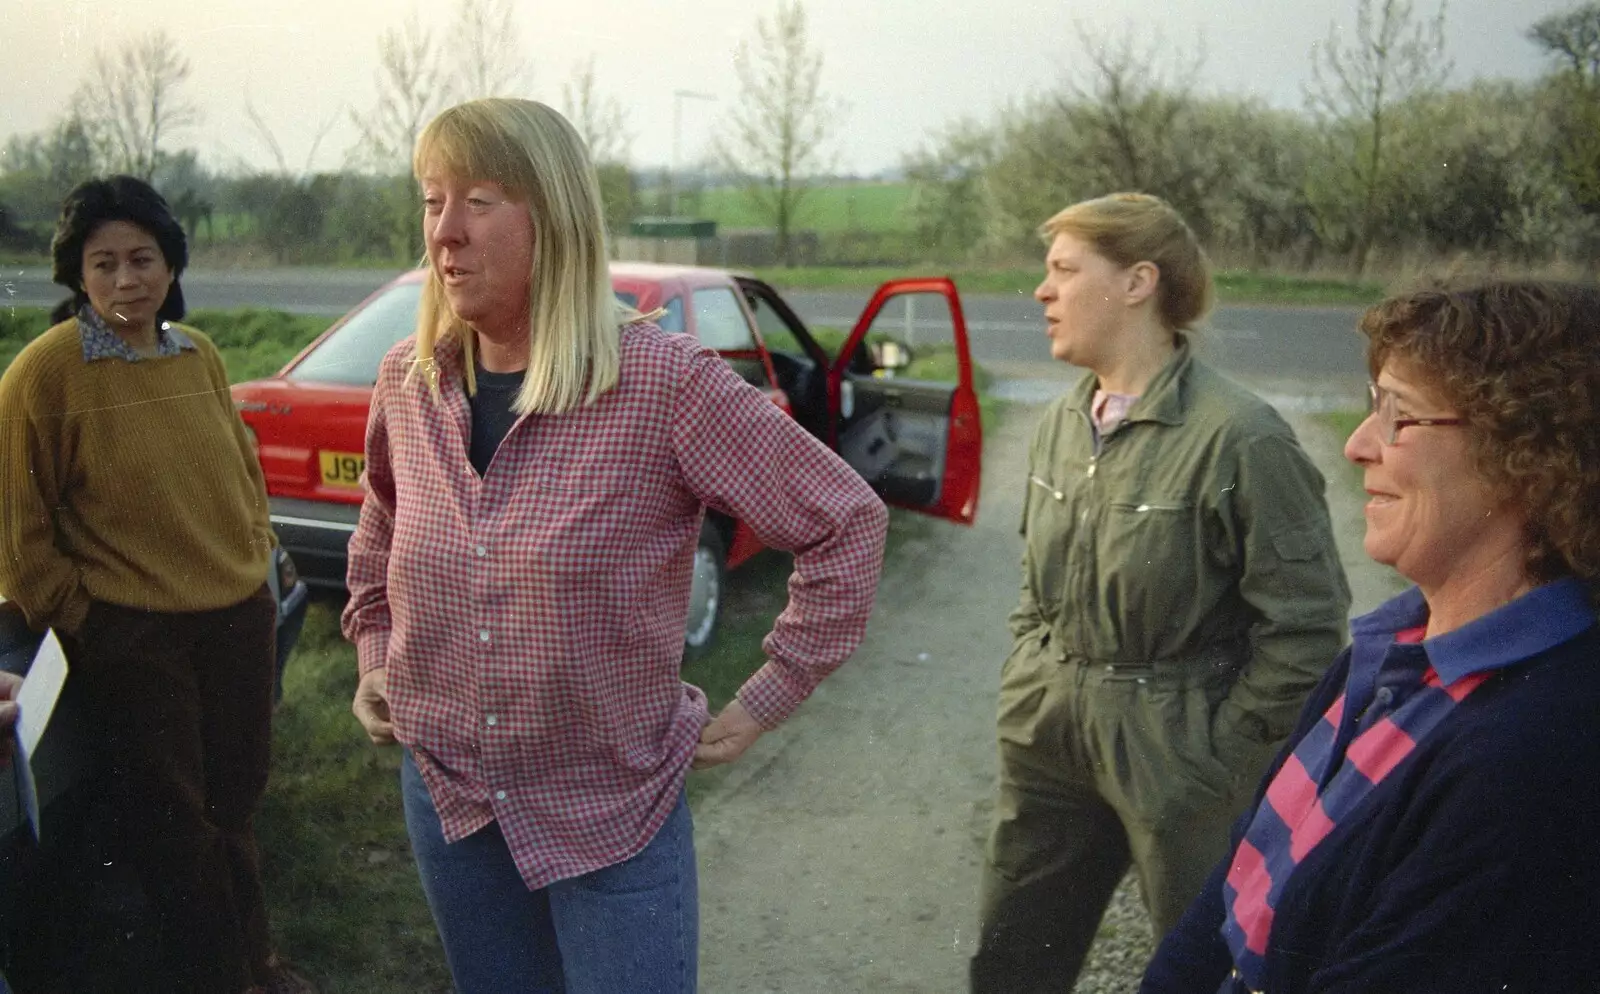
[[18, 327], [342, 889], [254, 342], [1252, 287], [1343, 422]]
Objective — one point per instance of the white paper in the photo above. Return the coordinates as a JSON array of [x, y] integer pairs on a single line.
[[41, 688], [36, 701]]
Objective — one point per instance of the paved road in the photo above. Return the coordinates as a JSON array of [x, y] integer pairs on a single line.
[[1276, 348]]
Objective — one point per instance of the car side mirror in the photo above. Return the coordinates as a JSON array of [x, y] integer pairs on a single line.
[[890, 355]]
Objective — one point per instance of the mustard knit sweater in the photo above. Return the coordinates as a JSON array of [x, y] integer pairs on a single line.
[[133, 483]]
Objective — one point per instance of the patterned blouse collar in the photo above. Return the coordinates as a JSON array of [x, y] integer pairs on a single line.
[[100, 342]]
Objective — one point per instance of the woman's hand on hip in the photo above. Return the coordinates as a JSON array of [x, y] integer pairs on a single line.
[[727, 736], [371, 707]]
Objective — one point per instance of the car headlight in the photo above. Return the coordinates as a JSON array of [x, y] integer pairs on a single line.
[[288, 576]]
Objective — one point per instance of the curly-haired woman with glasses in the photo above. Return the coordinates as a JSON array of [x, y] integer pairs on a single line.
[[1427, 826]]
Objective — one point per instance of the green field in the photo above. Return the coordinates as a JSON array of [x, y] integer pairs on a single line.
[[845, 207]]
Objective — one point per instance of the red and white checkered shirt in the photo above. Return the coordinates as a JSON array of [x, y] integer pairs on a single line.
[[532, 619]]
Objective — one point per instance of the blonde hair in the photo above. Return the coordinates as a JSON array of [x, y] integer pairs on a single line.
[[1128, 228], [539, 159]]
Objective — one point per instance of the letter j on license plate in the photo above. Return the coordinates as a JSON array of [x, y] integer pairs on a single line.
[[342, 469]]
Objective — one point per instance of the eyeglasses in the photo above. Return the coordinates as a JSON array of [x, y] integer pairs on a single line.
[[1383, 405]]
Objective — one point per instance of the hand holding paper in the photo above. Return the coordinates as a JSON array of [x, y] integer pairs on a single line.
[[37, 699], [10, 683]]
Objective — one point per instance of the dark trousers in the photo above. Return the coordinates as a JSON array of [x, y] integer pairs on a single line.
[[184, 706]]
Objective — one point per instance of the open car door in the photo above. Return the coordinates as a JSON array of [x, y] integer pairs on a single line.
[[909, 423]]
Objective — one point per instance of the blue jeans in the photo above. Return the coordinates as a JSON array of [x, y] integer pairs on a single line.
[[633, 926]]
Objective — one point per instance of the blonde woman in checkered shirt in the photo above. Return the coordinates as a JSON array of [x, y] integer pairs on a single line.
[[538, 463]]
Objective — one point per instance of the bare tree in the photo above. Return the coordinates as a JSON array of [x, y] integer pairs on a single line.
[[600, 119], [412, 88], [778, 132], [603, 124], [1137, 124], [1394, 57], [132, 101], [1128, 102], [1573, 41], [947, 187], [493, 65], [270, 140]]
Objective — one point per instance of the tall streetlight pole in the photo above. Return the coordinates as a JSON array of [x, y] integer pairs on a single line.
[[678, 97]]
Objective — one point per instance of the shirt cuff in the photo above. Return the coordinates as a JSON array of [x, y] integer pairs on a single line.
[[372, 650], [771, 695]]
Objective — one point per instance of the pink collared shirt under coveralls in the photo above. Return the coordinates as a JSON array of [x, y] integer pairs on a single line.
[[532, 619]]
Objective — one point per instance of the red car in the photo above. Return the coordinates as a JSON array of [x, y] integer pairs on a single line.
[[918, 443]]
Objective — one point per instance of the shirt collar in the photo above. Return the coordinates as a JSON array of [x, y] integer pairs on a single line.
[[100, 342], [1163, 398], [1539, 620]]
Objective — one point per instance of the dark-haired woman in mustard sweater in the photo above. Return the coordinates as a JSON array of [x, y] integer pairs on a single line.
[[133, 521]]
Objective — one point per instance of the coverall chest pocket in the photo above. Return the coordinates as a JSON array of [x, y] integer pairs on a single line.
[[1149, 555]]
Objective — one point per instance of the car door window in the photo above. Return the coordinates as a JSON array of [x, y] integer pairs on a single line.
[[775, 332], [720, 322], [672, 320]]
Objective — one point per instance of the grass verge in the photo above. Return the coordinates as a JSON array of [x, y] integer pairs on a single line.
[[342, 889], [1343, 422], [254, 342]]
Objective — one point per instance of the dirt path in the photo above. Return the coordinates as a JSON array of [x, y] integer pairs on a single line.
[[841, 854]]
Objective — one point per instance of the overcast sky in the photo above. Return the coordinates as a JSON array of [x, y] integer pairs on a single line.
[[904, 67]]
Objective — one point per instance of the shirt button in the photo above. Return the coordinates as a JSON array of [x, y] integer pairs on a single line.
[[1385, 696], [499, 795], [483, 635], [482, 551], [491, 721]]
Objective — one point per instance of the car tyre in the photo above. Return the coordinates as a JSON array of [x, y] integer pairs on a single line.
[[706, 591]]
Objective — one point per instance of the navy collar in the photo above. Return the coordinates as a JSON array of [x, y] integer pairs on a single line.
[[100, 342], [1539, 620]]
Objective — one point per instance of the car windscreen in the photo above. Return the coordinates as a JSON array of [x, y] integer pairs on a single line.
[[352, 354]]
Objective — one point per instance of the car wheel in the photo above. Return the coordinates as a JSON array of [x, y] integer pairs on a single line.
[[705, 592]]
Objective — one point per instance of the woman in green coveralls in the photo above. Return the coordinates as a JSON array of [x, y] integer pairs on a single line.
[[1181, 593]]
